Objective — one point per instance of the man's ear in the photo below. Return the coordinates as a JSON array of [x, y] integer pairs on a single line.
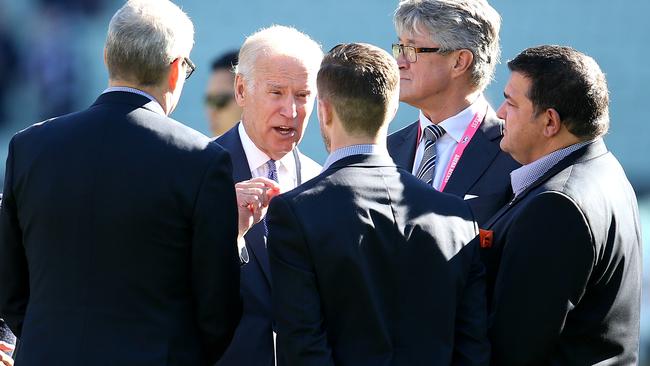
[[324, 110], [552, 122], [240, 90], [464, 59], [174, 72]]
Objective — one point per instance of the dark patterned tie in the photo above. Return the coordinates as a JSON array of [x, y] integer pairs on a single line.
[[272, 174], [431, 134]]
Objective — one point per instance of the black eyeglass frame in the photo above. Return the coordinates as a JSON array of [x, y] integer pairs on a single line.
[[190, 67], [399, 48]]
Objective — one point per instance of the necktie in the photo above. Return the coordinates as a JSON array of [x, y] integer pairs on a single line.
[[272, 174], [431, 134]]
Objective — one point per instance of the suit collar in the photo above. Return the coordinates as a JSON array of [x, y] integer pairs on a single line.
[[478, 155], [588, 152], [362, 160], [232, 142], [133, 99], [402, 145]]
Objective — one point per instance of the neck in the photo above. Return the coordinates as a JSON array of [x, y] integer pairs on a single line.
[[441, 108], [341, 138], [559, 142], [154, 91]]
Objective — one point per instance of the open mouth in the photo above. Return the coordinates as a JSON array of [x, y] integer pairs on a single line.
[[285, 131]]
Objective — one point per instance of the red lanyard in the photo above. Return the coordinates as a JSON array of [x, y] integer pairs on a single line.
[[460, 147]]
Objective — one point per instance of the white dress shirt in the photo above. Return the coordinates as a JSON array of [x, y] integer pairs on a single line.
[[286, 166], [455, 127]]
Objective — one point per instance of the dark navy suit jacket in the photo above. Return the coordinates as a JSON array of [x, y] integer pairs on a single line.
[[483, 170], [118, 238], [564, 267], [373, 267], [253, 341]]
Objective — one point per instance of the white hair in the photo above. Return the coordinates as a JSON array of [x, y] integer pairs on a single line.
[[456, 24], [144, 37], [278, 40]]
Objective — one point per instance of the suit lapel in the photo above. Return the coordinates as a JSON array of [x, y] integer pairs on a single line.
[[590, 151], [255, 240], [402, 145], [477, 157]]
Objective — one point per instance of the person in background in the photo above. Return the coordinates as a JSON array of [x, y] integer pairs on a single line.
[[221, 109]]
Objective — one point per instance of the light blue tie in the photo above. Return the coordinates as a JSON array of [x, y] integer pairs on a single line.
[[272, 174]]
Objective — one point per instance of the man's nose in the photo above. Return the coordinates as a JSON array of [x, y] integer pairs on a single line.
[[289, 108]]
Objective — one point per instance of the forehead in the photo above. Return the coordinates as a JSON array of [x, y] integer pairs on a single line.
[[518, 86], [282, 70], [408, 37], [220, 80]]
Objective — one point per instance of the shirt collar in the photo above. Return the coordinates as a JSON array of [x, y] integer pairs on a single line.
[[257, 158], [368, 149], [155, 105], [521, 178], [456, 125]]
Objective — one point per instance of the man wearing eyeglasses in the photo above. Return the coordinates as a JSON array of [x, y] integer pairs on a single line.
[[220, 107], [447, 51], [118, 224]]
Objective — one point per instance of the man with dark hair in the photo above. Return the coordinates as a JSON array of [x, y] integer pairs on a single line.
[[118, 225], [566, 251], [447, 51], [220, 107], [388, 277]]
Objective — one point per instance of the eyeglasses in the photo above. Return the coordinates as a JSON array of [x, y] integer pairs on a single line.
[[218, 101], [410, 52], [190, 67]]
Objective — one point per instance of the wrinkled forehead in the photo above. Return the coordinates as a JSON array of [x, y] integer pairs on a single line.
[[283, 70]]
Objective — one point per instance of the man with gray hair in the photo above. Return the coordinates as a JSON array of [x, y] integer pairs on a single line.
[[118, 224], [275, 84], [447, 51]]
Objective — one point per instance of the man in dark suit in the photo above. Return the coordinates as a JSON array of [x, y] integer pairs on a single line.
[[446, 53], [118, 224], [565, 253], [275, 84], [370, 265]]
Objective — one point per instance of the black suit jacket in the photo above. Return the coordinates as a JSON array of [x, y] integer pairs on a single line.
[[565, 267], [373, 267], [252, 344], [482, 171], [118, 239]]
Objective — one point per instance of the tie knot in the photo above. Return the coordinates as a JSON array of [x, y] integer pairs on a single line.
[[433, 132], [272, 170]]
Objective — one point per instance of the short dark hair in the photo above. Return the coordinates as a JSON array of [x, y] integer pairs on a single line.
[[361, 81], [569, 82], [226, 61]]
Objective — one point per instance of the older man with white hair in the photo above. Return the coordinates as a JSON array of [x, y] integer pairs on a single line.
[[112, 251], [275, 85]]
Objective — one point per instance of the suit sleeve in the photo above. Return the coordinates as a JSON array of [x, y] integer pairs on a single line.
[[471, 346], [296, 301], [14, 284], [215, 263], [548, 256]]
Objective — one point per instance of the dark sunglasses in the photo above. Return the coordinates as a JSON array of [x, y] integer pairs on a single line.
[[219, 101]]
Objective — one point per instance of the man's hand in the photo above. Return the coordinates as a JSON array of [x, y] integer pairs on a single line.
[[253, 197], [5, 360]]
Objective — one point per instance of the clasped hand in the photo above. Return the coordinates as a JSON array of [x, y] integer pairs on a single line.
[[253, 197]]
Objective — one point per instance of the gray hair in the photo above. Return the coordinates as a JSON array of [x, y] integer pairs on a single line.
[[456, 24], [144, 37], [278, 40]]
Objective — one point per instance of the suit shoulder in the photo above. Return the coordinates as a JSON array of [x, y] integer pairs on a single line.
[[402, 132]]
